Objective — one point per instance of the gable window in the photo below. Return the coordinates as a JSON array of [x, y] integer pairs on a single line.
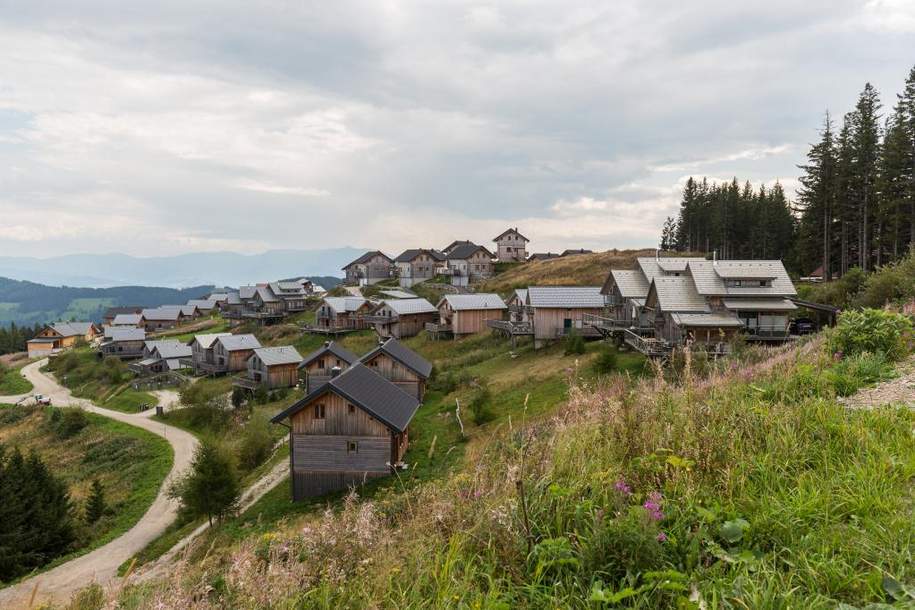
[[352, 447], [319, 411], [320, 363], [351, 409]]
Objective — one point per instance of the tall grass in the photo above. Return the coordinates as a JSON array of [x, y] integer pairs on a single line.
[[750, 487]]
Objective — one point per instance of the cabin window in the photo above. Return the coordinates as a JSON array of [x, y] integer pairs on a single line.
[[320, 363], [319, 412], [352, 447]]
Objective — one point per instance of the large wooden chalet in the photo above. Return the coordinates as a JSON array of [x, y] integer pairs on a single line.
[[342, 313], [163, 318], [469, 263], [318, 367], [401, 318], [464, 314], [231, 353], [557, 311], [60, 336], [271, 368], [401, 366], [370, 268], [112, 312], [203, 358], [346, 432], [123, 342], [417, 265], [511, 246], [162, 356]]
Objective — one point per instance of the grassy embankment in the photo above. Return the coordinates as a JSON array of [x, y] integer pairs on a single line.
[[104, 382], [750, 488], [130, 463], [12, 382]]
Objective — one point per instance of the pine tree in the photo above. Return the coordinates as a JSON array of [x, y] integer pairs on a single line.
[[95, 503], [866, 146], [906, 119], [668, 234], [211, 488], [816, 202]]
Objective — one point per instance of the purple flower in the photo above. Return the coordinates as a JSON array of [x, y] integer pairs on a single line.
[[653, 506], [662, 537], [622, 487]]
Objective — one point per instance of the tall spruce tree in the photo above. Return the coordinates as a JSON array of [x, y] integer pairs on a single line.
[[816, 203], [866, 147]]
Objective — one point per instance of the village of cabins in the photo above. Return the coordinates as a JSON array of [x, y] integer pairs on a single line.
[[352, 423]]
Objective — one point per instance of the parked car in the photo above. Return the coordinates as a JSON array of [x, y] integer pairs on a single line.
[[41, 399], [802, 326]]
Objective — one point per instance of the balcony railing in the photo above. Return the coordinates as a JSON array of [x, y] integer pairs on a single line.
[[380, 319]]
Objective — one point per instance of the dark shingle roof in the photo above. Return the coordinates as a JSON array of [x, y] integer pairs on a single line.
[[402, 354], [509, 230], [465, 251], [370, 392], [330, 347], [367, 257], [408, 255]]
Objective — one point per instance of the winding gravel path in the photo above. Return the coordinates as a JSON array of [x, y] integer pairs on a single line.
[[100, 565]]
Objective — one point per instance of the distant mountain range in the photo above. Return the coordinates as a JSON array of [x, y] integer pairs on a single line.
[[180, 271]]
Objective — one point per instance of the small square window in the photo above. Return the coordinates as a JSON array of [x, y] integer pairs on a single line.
[[351, 409], [319, 412], [352, 447]]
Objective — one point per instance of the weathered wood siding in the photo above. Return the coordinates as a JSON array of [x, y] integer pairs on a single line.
[[468, 321], [403, 326], [236, 360], [276, 376], [397, 374], [549, 322]]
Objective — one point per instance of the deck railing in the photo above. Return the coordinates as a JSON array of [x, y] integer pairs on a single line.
[[380, 319], [433, 327], [512, 328]]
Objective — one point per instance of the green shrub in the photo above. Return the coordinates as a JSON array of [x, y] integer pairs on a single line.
[[256, 444], [871, 330], [860, 370], [626, 544], [574, 344], [606, 361], [70, 422]]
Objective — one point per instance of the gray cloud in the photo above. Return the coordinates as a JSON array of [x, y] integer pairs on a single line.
[[174, 126]]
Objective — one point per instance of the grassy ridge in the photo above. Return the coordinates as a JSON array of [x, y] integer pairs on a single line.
[[12, 382]]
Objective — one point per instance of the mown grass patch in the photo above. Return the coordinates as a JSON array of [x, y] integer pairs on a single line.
[[130, 401], [12, 382]]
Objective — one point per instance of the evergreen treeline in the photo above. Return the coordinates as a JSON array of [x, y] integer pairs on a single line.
[[736, 221], [13, 338], [36, 521], [857, 202], [855, 207]]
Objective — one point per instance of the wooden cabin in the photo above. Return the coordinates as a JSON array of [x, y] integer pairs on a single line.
[[293, 295], [264, 304], [231, 352], [271, 368], [203, 358], [417, 265], [162, 356], [401, 366], [401, 318], [370, 268], [469, 263], [346, 432], [557, 311], [60, 336], [319, 366], [511, 246], [163, 318], [681, 314], [232, 307], [458, 242], [204, 306], [342, 313], [123, 342], [465, 314], [625, 292], [111, 312]]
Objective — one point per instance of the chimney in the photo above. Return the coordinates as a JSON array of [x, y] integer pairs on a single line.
[[334, 372]]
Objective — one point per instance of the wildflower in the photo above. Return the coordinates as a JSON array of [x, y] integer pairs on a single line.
[[662, 537], [653, 506], [622, 487]]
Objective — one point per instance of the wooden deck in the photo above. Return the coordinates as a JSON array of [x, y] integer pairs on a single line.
[[511, 328], [327, 330], [438, 331]]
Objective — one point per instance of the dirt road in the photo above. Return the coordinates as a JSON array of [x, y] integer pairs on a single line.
[[100, 565]]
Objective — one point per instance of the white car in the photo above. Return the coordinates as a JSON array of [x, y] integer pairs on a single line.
[[41, 399]]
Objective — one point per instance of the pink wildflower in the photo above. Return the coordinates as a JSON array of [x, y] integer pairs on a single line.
[[662, 537], [653, 506], [622, 487]]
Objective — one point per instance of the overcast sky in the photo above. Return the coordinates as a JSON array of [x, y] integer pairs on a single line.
[[198, 126]]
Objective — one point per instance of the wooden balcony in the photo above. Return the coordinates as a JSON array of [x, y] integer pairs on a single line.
[[511, 328], [245, 382], [381, 319], [210, 368]]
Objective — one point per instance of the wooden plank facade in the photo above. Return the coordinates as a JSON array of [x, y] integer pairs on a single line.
[[398, 374]]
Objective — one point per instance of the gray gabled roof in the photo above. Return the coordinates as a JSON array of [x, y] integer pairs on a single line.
[[405, 307], [162, 314], [125, 334], [203, 304], [631, 284], [172, 349], [369, 391], [397, 294], [710, 282], [126, 319], [465, 251], [72, 329], [284, 354], [232, 343], [233, 298], [206, 340], [507, 231], [652, 267], [367, 257], [408, 255], [480, 300], [521, 294], [330, 347], [570, 297], [246, 293], [344, 304], [402, 354], [677, 294], [266, 294]]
